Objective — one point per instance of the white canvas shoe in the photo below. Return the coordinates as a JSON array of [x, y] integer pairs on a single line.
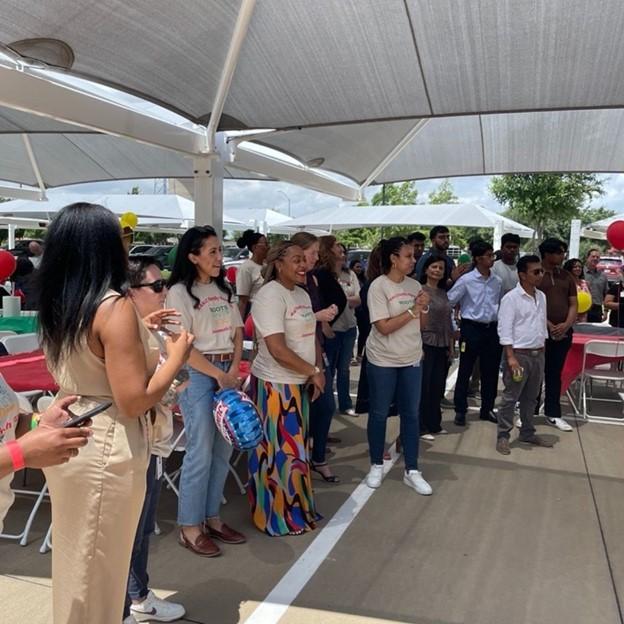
[[559, 423], [414, 479], [374, 476], [154, 609]]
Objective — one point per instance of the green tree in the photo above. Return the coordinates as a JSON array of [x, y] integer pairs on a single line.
[[396, 194], [444, 194], [544, 201]]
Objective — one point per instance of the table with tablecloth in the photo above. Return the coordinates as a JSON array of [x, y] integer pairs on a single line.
[[574, 361], [19, 324], [25, 372]]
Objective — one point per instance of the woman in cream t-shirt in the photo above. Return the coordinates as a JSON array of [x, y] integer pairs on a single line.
[[398, 306], [249, 278], [198, 291], [286, 370]]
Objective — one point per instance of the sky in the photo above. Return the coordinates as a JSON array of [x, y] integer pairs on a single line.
[[276, 195]]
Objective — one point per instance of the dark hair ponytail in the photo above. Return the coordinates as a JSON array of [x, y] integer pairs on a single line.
[[185, 272], [249, 239], [389, 247]]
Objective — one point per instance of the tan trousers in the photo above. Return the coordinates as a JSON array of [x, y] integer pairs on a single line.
[[96, 502]]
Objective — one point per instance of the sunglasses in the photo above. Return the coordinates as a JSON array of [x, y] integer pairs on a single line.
[[158, 286]]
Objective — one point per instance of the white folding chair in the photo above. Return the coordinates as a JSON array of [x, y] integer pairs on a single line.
[[21, 343], [612, 351]]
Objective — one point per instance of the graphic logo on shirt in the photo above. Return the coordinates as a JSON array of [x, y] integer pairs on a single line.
[[405, 299], [9, 411], [220, 311], [305, 314]]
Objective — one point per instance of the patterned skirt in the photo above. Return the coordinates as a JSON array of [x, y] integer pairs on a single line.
[[280, 483]]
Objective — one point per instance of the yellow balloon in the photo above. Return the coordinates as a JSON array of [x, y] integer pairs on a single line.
[[584, 301], [129, 219]]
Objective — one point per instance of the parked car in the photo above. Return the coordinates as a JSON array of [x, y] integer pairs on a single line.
[[234, 259], [611, 266], [358, 254], [159, 252]]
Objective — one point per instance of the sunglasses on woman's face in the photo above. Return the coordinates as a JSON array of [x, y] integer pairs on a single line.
[[158, 286]]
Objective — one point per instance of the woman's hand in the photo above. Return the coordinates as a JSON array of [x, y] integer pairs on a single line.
[[327, 315], [422, 299], [328, 332], [228, 380], [179, 347], [317, 383], [50, 444], [166, 316]]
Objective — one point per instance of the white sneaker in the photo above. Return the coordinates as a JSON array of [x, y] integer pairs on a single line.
[[519, 422], [559, 423], [129, 620], [427, 436], [349, 412], [442, 432], [374, 476], [414, 479], [153, 609]]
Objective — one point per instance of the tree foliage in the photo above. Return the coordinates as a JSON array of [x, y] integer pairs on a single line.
[[396, 194], [546, 201], [444, 194]]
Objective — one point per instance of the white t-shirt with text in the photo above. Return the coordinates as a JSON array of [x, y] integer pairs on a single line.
[[279, 310], [9, 415], [387, 299], [249, 279], [213, 322]]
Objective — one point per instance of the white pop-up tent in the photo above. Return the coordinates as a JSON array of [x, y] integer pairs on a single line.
[[163, 213], [466, 215], [598, 229]]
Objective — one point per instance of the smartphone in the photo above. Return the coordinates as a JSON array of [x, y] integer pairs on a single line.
[[80, 420]]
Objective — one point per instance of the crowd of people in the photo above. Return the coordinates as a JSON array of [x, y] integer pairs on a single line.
[[115, 331]]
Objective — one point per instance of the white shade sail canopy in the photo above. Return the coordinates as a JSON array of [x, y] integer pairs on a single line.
[[169, 211], [598, 229], [466, 215], [376, 91]]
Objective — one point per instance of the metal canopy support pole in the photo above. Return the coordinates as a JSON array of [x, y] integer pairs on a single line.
[[398, 148], [231, 60], [575, 238], [11, 229], [498, 234], [34, 164], [208, 173]]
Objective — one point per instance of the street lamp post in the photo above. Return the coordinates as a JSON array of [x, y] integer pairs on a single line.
[[288, 199]]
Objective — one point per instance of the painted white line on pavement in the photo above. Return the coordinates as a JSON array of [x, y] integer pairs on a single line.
[[292, 583]]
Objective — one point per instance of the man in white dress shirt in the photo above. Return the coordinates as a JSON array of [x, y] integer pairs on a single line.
[[522, 330]]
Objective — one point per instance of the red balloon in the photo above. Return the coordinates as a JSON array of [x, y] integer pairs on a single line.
[[230, 274], [248, 329], [7, 264], [615, 234]]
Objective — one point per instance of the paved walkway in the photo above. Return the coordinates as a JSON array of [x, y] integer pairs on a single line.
[[533, 538]]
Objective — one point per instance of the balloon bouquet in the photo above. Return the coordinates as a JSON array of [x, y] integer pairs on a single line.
[[10, 304]]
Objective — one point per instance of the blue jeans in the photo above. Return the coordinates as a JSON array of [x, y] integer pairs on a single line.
[[321, 414], [383, 383], [206, 460], [138, 581], [339, 352]]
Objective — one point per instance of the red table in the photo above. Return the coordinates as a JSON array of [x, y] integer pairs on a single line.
[[574, 361], [26, 372]]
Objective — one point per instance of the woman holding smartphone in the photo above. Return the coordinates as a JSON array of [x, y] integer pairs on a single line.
[[97, 348], [198, 290], [287, 374]]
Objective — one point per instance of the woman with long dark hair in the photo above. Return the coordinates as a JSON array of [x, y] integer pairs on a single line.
[[97, 347], [331, 296], [398, 308], [361, 317], [249, 275], [437, 338], [575, 267], [198, 290], [287, 375]]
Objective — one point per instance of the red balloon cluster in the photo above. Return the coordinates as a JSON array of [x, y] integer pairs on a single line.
[[615, 235], [7, 264]]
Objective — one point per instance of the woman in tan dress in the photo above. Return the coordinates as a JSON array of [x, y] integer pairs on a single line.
[[98, 348]]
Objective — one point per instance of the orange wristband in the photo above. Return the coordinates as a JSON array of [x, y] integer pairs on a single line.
[[17, 457]]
